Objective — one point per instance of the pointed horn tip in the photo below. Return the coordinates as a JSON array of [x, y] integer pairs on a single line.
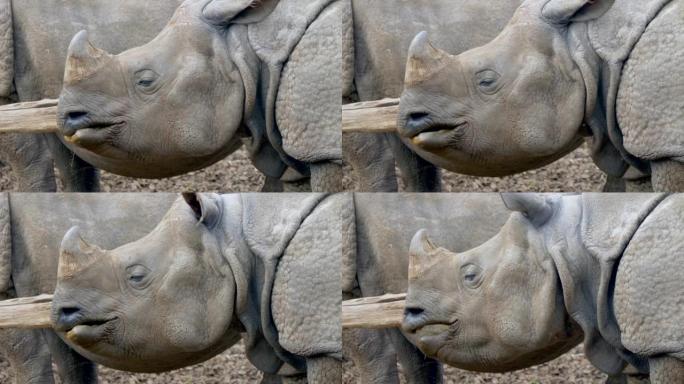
[[424, 59], [83, 58], [75, 254], [421, 246]]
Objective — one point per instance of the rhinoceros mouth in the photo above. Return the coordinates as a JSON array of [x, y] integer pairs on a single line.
[[432, 335], [438, 135], [91, 331], [93, 133]]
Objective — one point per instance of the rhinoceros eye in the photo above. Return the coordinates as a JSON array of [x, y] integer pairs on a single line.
[[472, 275], [137, 276], [146, 81], [487, 81]]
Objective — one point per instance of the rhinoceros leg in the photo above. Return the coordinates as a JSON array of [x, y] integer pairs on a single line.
[[28, 356], [417, 368], [326, 177], [372, 161], [418, 174], [76, 174], [372, 354], [666, 370], [667, 176], [30, 161], [71, 367], [323, 370]]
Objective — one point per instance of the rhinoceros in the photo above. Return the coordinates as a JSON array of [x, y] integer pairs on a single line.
[[375, 63], [35, 36], [31, 229], [264, 266], [378, 264], [559, 73], [220, 75], [603, 269]]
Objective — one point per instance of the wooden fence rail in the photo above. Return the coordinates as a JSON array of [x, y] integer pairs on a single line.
[[368, 312], [41, 117], [26, 312]]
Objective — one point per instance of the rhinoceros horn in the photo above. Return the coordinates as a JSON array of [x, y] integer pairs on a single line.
[[420, 254], [75, 254], [83, 58], [424, 60]]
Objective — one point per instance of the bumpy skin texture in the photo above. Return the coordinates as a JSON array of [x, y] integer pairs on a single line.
[[383, 224], [37, 225], [650, 95], [648, 288], [303, 273], [38, 54], [6, 49], [28, 156], [383, 31], [311, 130]]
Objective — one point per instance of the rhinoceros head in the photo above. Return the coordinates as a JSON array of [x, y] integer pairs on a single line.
[[160, 303], [514, 104], [171, 106], [497, 307]]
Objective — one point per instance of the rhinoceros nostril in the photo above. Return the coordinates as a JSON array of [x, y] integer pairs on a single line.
[[417, 117], [413, 311], [68, 314], [75, 116]]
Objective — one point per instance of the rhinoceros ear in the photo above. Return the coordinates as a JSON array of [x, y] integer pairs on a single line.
[[533, 206], [206, 208], [225, 12], [566, 11]]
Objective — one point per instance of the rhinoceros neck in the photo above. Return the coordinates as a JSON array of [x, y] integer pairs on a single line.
[[600, 49], [586, 240]]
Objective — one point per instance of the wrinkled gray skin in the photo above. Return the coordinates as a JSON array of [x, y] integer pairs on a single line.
[[375, 62], [602, 268], [377, 265], [220, 74], [29, 241], [559, 73], [214, 267], [35, 36]]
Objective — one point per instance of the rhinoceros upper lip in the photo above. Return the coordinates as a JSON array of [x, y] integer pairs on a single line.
[[438, 127], [90, 323], [69, 131]]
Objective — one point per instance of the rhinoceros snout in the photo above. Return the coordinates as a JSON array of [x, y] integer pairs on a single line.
[[67, 318], [74, 120], [414, 319], [414, 123]]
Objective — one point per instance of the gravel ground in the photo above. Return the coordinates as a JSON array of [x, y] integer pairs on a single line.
[[574, 173]]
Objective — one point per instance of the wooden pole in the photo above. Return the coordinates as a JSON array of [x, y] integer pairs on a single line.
[[41, 117], [29, 117], [26, 312], [370, 116], [374, 312], [369, 312]]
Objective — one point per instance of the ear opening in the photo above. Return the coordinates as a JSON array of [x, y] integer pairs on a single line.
[[533, 206], [226, 12], [206, 208]]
